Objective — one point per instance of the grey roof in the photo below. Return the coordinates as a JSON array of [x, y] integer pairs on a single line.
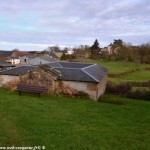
[[4, 63], [29, 56], [73, 65], [74, 75], [5, 53], [47, 58], [54, 65], [95, 71], [53, 55], [69, 71], [14, 57], [17, 70]]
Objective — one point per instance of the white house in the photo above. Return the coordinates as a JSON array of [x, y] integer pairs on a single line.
[[14, 60]]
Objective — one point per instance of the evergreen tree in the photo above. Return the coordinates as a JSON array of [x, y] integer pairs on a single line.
[[95, 45], [95, 50]]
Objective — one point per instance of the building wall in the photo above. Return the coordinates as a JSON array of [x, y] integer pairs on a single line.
[[95, 90], [101, 87], [6, 78], [37, 61], [87, 87], [15, 61], [24, 60]]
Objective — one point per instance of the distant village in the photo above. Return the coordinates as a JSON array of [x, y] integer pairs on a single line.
[[67, 71]]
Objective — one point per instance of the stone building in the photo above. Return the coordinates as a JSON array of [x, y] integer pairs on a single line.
[[89, 78]]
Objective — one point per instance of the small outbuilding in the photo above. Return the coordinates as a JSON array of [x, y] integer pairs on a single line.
[[89, 78]]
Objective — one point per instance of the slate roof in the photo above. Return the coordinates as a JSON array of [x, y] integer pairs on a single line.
[[4, 63], [17, 70], [47, 58], [73, 65], [53, 55], [70, 71], [5, 53]]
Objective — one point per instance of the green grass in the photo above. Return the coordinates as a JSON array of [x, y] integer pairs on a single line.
[[139, 76], [118, 66], [140, 88], [64, 123]]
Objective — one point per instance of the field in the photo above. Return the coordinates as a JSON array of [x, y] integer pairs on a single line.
[[69, 123], [115, 67], [65, 123], [119, 66], [139, 76]]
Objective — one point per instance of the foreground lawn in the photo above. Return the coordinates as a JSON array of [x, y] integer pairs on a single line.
[[118, 66], [65, 123]]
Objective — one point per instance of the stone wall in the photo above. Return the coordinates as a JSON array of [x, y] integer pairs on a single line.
[[7, 78], [87, 87], [101, 87]]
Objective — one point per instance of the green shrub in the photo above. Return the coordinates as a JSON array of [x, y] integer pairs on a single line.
[[140, 94], [81, 94], [119, 89]]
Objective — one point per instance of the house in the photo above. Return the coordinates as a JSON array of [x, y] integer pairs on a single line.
[[81, 54], [53, 55], [14, 60], [25, 60], [5, 55], [109, 49], [4, 65], [33, 60], [90, 78], [22, 53], [58, 54]]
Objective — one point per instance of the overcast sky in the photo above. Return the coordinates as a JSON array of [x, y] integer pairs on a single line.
[[37, 24]]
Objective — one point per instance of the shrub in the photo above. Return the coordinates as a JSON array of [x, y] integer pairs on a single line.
[[119, 89], [81, 94], [140, 94]]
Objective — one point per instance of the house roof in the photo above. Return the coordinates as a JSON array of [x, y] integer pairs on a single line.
[[70, 71], [47, 58], [21, 53], [53, 55], [17, 70], [14, 57], [5, 53], [4, 63]]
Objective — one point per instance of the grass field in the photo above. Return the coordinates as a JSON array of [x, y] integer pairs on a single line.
[[118, 66], [139, 76], [63, 123]]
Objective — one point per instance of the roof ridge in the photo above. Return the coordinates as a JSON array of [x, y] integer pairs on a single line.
[[89, 75], [89, 66], [60, 64]]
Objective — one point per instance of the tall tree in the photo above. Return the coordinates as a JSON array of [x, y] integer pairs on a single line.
[[95, 50], [95, 45]]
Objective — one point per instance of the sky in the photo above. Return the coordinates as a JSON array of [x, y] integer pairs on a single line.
[[37, 24]]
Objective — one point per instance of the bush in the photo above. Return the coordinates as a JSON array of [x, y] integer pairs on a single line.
[[140, 94], [119, 89], [81, 94]]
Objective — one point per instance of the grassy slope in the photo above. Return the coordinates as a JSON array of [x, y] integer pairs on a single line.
[[118, 66], [63, 123]]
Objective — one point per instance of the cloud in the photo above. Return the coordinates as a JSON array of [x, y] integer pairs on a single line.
[[74, 22]]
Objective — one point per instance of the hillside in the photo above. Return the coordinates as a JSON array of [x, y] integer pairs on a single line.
[[65, 123]]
